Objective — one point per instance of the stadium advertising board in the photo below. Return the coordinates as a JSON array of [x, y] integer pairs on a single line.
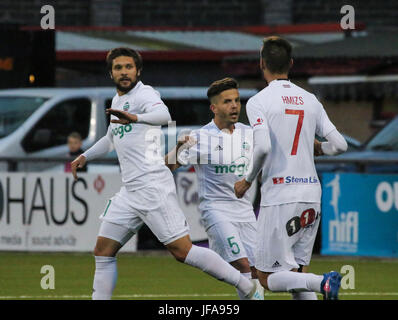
[[52, 212], [360, 214]]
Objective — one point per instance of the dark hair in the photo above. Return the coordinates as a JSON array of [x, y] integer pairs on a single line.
[[117, 52], [221, 85], [277, 54], [75, 135]]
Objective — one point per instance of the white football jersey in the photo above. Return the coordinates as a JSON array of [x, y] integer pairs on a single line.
[[220, 159], [138, 144], [293, 117]]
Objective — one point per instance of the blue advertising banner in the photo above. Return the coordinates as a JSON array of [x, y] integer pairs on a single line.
[[360, 214]]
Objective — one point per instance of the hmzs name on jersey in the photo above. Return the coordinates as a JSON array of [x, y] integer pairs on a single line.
[[294, 180], [297, 100]]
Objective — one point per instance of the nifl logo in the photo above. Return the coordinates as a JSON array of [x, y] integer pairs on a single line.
[[126, 106], [344, 228]]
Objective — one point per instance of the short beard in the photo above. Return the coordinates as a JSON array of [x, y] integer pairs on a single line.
[[126, 89]]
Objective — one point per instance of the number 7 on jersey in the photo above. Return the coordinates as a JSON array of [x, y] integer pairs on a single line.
[[300, 113]]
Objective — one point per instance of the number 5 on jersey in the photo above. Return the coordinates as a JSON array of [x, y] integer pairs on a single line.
[[300, 113]]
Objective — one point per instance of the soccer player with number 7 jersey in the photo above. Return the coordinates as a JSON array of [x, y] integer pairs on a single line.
[[285, 119]]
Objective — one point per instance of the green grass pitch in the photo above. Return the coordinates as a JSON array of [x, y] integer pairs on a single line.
[[160, 277]]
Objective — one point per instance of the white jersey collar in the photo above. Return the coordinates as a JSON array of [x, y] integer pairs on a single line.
[[278, 81], [135, 89], [131, 92], [214, 126]]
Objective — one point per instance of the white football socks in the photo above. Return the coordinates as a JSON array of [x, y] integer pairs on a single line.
[[104, 278], [289, 281], [242, 295], [210, 262], [304, 296]]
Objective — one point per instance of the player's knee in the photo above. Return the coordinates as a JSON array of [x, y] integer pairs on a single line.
[[102, 251], [253, 271], [242, 265], [263, 277], [99, 252], [179, 254], [264, 283], [106, 247], [180, 248]]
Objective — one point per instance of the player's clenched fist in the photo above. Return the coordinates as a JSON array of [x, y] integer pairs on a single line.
[[241, 187], [185, 142], [79, 162]]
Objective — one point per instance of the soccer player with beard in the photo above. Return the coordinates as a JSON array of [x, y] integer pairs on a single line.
[[148, 194]]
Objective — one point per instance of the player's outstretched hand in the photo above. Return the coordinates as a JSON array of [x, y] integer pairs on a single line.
[[241, 187], [124, 116], [79, 162]]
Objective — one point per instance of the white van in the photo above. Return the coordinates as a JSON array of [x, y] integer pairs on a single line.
[[35, 122]]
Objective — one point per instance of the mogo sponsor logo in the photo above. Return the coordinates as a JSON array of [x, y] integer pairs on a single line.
[[238, 167], [121, 130]]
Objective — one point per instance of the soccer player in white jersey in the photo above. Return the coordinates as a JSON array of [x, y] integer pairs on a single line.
[[221, 152], [148, 194], [285, 119]]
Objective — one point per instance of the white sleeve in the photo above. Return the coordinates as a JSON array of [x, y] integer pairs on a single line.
[[159, 116], [323, 125], [154, 111], [335, 144], [101, 148], [261, 138]]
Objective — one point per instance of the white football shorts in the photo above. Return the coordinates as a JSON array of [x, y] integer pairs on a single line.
[[233, 240], [155, 205], [286, 235]]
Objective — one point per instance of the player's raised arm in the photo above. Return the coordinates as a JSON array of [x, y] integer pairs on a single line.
[[100, 148], [158, 115], [335, 143], [153, 109], [124, 117], [261, 146]]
